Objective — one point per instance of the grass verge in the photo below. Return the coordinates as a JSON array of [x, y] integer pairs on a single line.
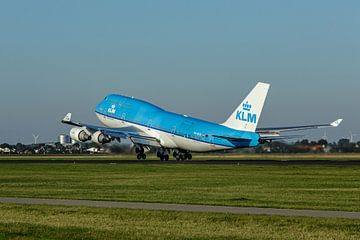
[[57, 222], [299, 187]]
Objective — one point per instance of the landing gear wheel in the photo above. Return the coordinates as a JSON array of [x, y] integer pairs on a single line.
[[187, 156], [140, 156], [166, 157], [139, 150]]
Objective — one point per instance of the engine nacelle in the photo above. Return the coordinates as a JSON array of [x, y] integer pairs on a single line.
[[80, 134], [100, 138]]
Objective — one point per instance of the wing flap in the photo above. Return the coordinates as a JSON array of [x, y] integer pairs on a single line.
[[145, 141]]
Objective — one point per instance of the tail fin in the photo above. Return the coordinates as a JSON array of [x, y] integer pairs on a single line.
[[247, 115]]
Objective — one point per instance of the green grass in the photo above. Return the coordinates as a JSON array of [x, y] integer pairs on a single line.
[[299, 187], [57, 222], [196, 156]]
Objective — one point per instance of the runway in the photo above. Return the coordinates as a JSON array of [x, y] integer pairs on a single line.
[[234, 162], [184, 207]]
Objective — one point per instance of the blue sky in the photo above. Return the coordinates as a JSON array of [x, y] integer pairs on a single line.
[[193, 57]]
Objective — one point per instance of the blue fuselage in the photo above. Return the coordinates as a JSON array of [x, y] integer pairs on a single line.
[[140, 113]]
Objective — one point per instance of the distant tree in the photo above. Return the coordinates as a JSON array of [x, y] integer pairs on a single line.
[[6, 145], [323, 142], [20, 147], [344, 145]]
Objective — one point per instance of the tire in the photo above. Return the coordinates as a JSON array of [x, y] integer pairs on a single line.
[[166, 157], [138, 156], [143, 156], [189, 156]]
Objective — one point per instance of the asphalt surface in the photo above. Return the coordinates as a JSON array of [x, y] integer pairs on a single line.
[[184, 207], [237, 162]]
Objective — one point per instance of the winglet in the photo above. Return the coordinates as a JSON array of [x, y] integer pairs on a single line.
[[67, 118], [336, 123]]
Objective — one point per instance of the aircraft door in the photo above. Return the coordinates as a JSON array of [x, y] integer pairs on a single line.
[[173, 130]]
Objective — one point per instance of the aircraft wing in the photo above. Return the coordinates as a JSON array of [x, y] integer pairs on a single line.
[[269, 134], [296, 128], [135, 136]]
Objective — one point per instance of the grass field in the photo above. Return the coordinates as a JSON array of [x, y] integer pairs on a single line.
[[196, 156], [300, 187], [56, 222]]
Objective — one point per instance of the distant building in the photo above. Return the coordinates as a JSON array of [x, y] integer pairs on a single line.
[[5, 150], [64, 139], [95, 150]]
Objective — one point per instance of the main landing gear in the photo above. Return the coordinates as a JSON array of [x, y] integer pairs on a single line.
[[140, 153], [181, 156], [163, 155]]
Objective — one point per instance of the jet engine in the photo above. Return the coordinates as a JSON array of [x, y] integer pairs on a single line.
[[100, 138], [80, 134]]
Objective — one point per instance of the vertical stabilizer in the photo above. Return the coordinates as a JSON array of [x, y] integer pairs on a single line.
[[247, 115]]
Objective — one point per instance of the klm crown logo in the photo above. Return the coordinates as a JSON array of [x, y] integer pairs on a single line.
[[245, 115], [247, 106], [112, 109]]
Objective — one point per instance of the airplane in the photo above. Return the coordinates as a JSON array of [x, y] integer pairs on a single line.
[[147, 125]]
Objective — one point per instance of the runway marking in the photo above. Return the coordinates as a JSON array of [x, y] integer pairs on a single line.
[[184, 207]]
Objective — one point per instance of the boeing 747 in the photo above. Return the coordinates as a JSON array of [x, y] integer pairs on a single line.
[[176, 134]]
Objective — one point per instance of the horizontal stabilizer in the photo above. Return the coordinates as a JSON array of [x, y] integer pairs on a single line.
[[274, 138], [233, 139]]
